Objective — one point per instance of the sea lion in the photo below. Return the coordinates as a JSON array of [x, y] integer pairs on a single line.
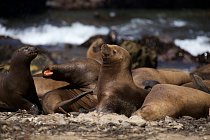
[[174, 101], [203, 72], [162, 76], [17, 89], [198, 83], [44, 85], [94, 51], [116, 91], [141, 56], [82, 74]]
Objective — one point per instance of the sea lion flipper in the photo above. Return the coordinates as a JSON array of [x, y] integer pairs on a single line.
[[28, 106], [72, 100], [148, 84], [198, 82]]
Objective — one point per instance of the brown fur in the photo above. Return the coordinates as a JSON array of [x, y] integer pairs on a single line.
[[94, 51], [163, 76], [17, 89], [174, 101], [82, 74], [203, 72], [52, 99], [116, 91], [192, 85], [44, 85]]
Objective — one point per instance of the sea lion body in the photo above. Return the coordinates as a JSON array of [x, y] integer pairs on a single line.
[[17, 88], [116, 91], [44, 85], [174, 101], [82, 74], [53, 98], [192, 85], [163, 76], [203, 72]]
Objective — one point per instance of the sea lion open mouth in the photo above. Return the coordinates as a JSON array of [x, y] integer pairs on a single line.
[[47, 73]]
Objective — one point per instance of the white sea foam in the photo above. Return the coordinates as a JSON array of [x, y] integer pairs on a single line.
[[77, 33], [179, 23], [195, 46]]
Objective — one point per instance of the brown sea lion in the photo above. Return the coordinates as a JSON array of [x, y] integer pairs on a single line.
[[203, 72], [17, 88], [82, 74], [94, 51], [141, 56], [198, 83], [162, 76], [116, 91], [44, 85], [174, 101]]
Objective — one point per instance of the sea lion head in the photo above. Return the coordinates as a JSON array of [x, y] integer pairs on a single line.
[[26, 53], [53, 72], [114, 54], [94, 51]]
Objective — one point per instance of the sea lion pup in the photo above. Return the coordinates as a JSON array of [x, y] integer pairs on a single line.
[[162, 76], [82, 74], [116, 91], [17, 88], [174, 101]]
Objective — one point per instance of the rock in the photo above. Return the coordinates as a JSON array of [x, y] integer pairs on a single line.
[[72, 4], [136, 121], [142, 56], [13, 8], [156, 4], [204, 58], [9, 45], [110, 38], [167, 51]]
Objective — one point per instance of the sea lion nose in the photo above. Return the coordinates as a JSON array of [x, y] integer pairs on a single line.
[[105, 50]]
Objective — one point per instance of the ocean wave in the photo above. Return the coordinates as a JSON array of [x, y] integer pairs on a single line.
[[195, 46], [179, 23], [47, 34]]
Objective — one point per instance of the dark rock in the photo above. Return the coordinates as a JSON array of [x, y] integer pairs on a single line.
[[13, 8], [93, 4], [167, 51], [110, 38], [142, 56], [9, 45], [157, 4], [204, 58], [76, 4]]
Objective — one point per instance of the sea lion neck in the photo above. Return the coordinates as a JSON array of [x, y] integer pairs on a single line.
[[115, 71], [19, 65]]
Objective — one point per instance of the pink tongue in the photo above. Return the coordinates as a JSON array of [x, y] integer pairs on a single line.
[[48, 73]]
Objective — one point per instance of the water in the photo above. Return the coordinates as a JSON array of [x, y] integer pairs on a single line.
[[189, 29]]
